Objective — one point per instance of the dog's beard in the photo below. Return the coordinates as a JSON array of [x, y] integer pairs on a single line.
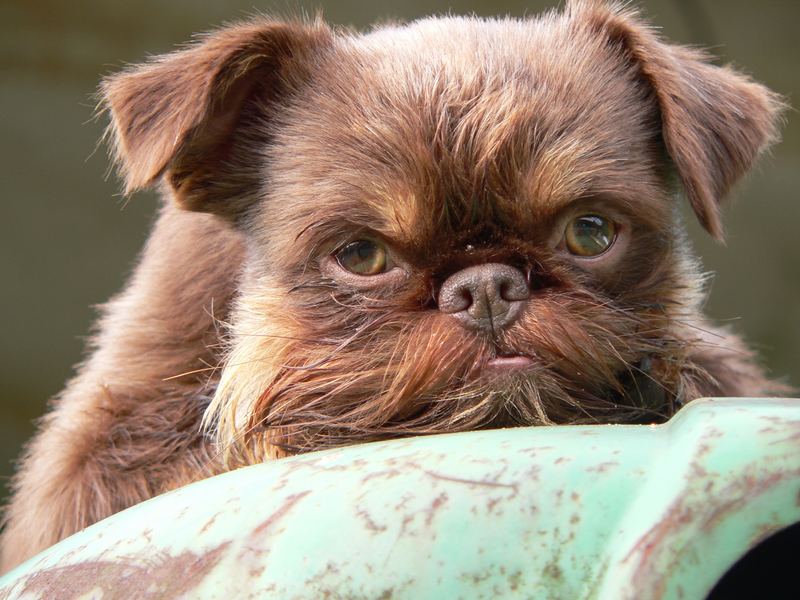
[[354, 370]]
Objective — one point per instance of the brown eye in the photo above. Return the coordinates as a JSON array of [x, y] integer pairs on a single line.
[[589, 235], [363, 257]]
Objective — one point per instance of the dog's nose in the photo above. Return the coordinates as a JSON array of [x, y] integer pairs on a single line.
[[487, 297]]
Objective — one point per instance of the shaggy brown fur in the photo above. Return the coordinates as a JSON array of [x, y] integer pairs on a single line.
[[454, 142]]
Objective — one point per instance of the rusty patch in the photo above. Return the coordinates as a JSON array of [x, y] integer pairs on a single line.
[[209, 523], [256, 572], [287, 505], [436, 504], [386, 474], [163, 576], [478, 482], [793, 438], [491, 504], [370, 524], [602, 467], [700, 509], [749, 486], [553, 571]]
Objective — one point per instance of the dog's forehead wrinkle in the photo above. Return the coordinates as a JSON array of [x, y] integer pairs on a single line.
[[463, 112]]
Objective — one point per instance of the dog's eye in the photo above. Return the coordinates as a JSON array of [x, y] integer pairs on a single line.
[[363, 257], [589, 235]]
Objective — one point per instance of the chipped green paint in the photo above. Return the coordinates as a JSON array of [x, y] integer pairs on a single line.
[[604, 512]]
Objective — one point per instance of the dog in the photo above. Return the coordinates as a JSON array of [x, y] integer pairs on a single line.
[[448, 225]]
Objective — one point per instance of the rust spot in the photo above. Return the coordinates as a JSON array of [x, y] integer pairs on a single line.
[[739, 493], [602, 467], [256, 571], [387, 474], [287, 505], [478, 482], [553, 571], [278, 485], [793, 438], [720, 511], [161, 576], [370, 524], [331, 569], [677, 515], [535, 450], [476, 578], [491, 503], [404, 499], [407, 520], [765, 531], [696, 472], [436, 504], [209, 523]]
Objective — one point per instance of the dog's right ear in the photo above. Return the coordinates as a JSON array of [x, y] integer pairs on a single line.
[[715, 121], [176, 116]]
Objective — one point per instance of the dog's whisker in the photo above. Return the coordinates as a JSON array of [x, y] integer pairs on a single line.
[[187, 373]]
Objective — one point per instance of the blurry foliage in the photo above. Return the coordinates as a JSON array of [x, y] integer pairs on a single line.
[[69, 239]]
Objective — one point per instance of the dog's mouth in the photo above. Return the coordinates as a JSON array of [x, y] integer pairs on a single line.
[[500, 360], [507, 363]]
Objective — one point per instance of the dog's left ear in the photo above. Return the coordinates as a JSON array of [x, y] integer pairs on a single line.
[[178, 115], [715, 121]]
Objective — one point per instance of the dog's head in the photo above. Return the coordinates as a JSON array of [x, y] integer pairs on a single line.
[[453, 224]]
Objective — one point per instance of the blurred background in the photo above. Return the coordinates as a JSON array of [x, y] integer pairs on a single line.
[[69, 239]]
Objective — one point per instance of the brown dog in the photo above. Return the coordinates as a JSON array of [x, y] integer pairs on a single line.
[[444, 226]]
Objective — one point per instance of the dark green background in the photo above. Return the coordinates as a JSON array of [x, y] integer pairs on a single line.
[[69, 239]]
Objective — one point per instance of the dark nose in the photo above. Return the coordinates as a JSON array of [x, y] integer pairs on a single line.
[[486, 297]]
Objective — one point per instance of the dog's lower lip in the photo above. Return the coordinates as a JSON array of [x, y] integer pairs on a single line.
[[509, 363]]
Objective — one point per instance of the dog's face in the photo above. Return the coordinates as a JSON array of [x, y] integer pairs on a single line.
[[451, 225]]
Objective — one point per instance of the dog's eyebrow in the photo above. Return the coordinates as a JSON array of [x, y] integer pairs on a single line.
[[559, 179], [651, 206], [397, 214]]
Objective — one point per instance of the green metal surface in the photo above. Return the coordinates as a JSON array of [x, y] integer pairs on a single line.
[[605, 512]]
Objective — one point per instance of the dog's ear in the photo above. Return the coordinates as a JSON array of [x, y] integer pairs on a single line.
[[715, 121], [176, 115]]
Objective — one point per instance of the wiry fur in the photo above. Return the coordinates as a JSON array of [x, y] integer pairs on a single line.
[[456, 141]]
